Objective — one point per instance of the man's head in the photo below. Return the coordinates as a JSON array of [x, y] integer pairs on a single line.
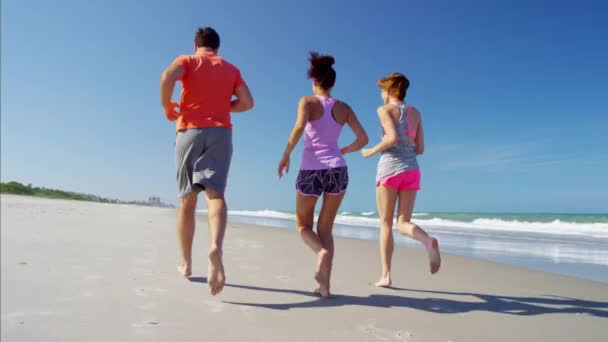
[[207, 38]]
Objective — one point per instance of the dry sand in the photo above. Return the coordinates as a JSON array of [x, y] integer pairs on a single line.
[[76, 271]]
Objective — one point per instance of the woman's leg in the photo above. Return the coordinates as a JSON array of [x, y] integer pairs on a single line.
[[406, 227], [305, 214], [325, 224], [386, 198]]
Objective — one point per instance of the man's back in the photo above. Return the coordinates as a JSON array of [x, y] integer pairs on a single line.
[[208, 85], [203, 143]]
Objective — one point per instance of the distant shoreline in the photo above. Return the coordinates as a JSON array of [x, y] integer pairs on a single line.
[[16, 188]]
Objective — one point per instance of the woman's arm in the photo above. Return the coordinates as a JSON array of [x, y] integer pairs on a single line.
[[390, 137], [296, 134], [361, 138], [419, 138]]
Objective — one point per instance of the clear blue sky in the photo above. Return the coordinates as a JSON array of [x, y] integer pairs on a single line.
[[513, 95]]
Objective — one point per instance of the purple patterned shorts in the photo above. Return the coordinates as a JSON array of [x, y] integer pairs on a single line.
[[316, 182]]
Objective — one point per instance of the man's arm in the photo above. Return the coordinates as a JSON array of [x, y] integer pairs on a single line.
[[244, 100], [167, 83]]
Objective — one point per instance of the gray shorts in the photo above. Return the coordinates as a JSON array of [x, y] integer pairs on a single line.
[[202, 157]]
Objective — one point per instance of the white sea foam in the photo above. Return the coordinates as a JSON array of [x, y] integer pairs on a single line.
[[598, 230], [263, 213]]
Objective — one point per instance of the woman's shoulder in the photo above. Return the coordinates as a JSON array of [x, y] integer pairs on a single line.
[[388, 108], [341, 105], [413, 111], [308, 99]]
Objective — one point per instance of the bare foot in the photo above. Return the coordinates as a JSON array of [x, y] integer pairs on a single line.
[[322, 274], [184, 269], [432, 248], [385, 281], [216, 277]]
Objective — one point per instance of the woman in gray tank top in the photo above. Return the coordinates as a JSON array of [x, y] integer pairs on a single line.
[[398, 175]]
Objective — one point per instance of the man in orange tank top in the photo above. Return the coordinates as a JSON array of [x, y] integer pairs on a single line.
[[203, 144]]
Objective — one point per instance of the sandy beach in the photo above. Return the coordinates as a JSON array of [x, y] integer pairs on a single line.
[[79, 271]]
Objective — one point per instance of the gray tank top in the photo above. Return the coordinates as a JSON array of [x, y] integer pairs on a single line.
[[402, 156]]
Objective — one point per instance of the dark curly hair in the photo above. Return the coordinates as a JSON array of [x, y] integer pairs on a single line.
[[321, 70]]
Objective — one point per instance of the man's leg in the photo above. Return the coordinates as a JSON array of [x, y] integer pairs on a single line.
[[185, 231], [217, 216]]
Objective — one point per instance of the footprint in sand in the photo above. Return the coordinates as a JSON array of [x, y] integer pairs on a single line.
[[248, 267], [80, 296], [145, 322], [256, 245], [383, 334], [403, 335], [146, 292], [240, 243], [283, 278], [213, 306], [94, 278], [20, 317], [148, 306], [142, 271], [145, 327], [246, 309], [143, 261]]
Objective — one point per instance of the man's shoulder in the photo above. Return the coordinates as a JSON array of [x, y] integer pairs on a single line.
[[182, 59], [227, 64]]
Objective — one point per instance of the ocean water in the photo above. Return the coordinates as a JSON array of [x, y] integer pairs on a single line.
[[568, 244]]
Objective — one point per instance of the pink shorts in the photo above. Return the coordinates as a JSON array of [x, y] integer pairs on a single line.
[[406, 180]]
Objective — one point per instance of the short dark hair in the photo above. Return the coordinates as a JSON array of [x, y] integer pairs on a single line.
[[395, 84], [207, 37], [321, 70]]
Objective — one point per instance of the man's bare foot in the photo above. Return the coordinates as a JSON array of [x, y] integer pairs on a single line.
[[216, 277], [432, 248], [385, 281], [184, 269], [322, 274]]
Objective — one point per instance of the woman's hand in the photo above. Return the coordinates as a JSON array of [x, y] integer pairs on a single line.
[[367, 152], [283, 165]]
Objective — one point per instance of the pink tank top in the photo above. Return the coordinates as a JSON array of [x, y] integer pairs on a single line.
[[321, 149]]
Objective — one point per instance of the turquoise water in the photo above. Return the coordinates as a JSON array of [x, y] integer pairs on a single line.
[[567, 244]]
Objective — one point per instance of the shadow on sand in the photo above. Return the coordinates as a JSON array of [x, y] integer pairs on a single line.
[[465, 302]]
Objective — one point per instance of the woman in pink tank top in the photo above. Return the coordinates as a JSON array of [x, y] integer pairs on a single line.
[[323, 169]]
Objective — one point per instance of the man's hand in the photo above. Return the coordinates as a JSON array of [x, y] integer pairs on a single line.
[[170, 111]]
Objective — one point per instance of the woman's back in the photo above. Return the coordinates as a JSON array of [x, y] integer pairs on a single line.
[[402, 156], [326, 117]]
